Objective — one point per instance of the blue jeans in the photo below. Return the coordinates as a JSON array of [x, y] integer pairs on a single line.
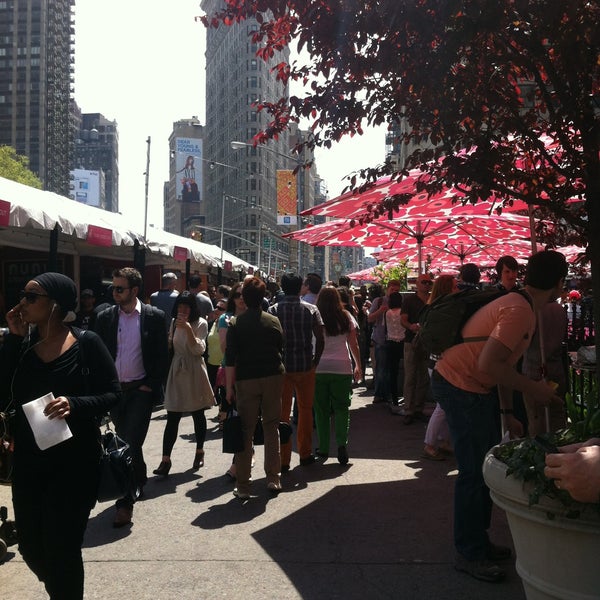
[[473, 430], [382, 380]]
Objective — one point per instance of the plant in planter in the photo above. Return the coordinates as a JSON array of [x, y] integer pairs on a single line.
[[544, 519], [525, 460]]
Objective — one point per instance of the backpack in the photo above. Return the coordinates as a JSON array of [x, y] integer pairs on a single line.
[[441, 322]]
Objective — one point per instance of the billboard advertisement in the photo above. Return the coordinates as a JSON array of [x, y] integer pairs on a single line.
[[85, 187], [287, 197], [188, 169]]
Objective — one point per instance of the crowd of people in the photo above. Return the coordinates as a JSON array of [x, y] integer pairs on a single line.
[[290, 354]]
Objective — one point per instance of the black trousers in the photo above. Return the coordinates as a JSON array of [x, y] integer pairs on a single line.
[[52, 507], [132, 420], [172, 427]]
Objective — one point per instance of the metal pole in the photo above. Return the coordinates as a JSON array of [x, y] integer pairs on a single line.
[[258, 254], [270, 250], [147, 174], [222, 226]]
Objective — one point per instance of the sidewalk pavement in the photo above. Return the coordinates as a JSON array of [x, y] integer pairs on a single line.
[[377, 528]]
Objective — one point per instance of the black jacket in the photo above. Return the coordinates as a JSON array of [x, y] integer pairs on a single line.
[[154, 343]]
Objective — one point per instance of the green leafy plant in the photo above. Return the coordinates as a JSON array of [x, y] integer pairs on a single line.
[[386, 273], [526, 460]]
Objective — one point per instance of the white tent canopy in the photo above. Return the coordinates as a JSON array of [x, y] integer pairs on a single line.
[[167, 244], [27, 213]]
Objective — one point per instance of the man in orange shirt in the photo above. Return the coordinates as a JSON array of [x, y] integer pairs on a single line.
[[463, 382]]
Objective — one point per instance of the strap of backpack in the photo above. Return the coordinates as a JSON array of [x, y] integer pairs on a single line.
[[85, 370]]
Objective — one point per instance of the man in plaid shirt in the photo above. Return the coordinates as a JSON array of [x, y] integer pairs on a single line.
[[300, 322]]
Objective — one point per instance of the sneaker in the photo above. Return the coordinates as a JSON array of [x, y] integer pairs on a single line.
[[484, 570], [274, 487], [308, 460], [241, 495], [495, 552], [396, 409]]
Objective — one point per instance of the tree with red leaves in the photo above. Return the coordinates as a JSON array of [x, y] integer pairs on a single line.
[[506, 92]]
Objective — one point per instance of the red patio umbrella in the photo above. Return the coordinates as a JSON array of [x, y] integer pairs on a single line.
[[353, 205], [404, 233], [461, 252]]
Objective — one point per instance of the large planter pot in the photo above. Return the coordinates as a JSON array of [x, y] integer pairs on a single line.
[[557, 558]]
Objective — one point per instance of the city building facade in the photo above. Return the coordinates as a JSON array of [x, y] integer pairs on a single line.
[[36, 86], [97, 149], [241, 189], [184, 205]]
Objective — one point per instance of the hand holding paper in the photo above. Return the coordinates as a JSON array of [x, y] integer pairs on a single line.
[[47, 431]]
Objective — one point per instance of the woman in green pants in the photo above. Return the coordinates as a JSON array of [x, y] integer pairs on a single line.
[[333, 387]]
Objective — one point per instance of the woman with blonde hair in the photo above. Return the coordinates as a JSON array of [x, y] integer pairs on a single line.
[[333, 386]]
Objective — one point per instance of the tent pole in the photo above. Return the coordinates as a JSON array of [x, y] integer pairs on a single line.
[[53, 251]]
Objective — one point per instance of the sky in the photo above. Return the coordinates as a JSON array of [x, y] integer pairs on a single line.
[[142, 64]]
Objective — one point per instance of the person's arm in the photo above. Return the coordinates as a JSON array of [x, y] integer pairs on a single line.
[[353, 301], [378, 308], [494, 362], [352, 340], [155, 352], [576, 472], [318, 331], [404, 319], [230, 361], [196, 336]]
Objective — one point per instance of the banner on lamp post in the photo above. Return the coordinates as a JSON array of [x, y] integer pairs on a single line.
[[287, 197], [188, 168]]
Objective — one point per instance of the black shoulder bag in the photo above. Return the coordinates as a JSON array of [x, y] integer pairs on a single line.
[[117, 476]]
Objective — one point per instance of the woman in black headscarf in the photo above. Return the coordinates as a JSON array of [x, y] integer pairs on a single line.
[[55, 489]]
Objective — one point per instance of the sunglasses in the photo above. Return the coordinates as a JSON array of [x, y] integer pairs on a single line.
[[426, 282], [31, 297], [219, 308], [120, 289]]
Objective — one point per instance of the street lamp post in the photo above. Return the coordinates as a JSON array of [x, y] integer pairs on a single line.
[[222, 226]]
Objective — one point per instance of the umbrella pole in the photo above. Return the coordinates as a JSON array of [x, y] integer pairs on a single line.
[[419, 237]]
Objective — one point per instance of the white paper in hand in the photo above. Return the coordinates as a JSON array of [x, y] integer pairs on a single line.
[[47, 432]]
